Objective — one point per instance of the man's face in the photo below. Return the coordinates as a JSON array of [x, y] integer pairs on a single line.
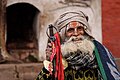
[[74, 29], [76, 41]]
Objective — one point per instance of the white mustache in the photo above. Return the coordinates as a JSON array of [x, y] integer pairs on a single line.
[[74, 38]]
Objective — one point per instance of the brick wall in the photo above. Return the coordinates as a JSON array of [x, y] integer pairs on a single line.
[[111, 25]]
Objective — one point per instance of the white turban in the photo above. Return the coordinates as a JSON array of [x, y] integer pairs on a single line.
[[68, 17]]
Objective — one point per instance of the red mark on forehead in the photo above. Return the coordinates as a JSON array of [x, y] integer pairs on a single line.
[[74, 24]]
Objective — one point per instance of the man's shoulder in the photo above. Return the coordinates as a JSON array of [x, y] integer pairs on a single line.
[[97, 43]]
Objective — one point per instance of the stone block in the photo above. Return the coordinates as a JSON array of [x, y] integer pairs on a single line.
[[29, 71], [8, 72]]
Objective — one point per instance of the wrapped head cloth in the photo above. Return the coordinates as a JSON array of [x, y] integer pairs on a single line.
[[68, 17]]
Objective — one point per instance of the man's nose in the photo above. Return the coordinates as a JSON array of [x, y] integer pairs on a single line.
[[75, 32]]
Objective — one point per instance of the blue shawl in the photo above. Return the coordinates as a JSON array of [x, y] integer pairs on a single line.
[[106, 62]]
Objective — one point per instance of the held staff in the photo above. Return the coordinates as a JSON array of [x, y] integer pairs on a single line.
[[56, 56]]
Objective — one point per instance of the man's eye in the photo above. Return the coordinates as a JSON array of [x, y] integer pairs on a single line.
[[70, 30], [79, 28]]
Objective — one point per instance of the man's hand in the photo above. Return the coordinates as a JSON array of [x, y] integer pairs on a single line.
[[48, 65]]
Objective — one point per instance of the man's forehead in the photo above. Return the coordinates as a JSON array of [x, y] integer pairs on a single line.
[[74, 24]]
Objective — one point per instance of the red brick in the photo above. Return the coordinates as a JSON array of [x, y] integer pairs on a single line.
[[110, 25]]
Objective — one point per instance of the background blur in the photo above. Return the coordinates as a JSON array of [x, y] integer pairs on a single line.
[[23, 25]]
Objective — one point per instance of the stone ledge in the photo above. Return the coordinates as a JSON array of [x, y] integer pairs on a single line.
[[26, 71]]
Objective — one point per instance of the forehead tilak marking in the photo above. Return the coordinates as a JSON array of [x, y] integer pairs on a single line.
[[74, 24]]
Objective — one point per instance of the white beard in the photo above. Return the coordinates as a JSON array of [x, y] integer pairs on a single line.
[[84, 45]]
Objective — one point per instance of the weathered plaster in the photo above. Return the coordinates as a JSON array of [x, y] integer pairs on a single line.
[[50, 11]]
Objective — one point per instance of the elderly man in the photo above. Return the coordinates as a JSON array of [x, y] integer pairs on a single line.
[[84, 58]]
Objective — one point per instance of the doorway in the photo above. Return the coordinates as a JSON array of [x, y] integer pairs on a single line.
[[22, 32]]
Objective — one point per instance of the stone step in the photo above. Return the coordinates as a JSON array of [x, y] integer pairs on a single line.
[[27, 71]]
